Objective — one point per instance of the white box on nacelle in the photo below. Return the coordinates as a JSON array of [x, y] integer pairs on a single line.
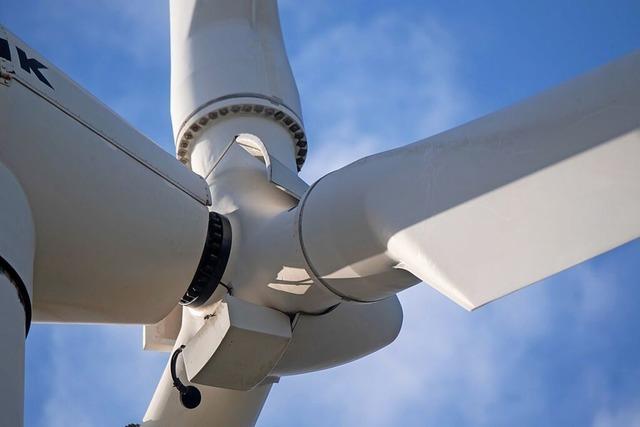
[[238, 346]]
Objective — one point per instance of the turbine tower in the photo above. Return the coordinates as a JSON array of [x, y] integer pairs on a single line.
[[237, 267]]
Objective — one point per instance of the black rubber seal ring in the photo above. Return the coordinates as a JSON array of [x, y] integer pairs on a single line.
[[23, 293], [213, 262]]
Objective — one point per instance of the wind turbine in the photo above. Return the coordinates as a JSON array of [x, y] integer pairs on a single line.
[[255, 273]]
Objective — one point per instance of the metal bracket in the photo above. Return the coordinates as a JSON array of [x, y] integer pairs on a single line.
[[277, 173], [238, 347]]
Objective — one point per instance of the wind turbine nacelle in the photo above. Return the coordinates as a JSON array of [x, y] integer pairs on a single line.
[[120, 226]]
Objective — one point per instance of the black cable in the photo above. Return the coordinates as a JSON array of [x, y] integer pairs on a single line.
[[174, 376], [190, 396]]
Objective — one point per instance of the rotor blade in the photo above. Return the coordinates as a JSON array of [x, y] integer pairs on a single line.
[[219, 407], [491, 206], [223, 407], [116, 218]]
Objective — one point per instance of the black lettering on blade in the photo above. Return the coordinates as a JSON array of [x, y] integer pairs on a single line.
[[32, 65], [5, 52]]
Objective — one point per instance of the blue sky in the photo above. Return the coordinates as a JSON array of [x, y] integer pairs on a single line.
[[374, 75]]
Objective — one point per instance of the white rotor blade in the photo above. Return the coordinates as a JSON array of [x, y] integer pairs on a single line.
[[491, 206], [219, 407], [116, 218]]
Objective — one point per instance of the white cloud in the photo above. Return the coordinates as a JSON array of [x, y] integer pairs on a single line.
[[375, 85]]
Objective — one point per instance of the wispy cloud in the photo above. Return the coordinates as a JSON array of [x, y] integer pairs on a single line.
[[374, 85]]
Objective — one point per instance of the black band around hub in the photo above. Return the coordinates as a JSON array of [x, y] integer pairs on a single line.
[[21, 288], [213, 262]]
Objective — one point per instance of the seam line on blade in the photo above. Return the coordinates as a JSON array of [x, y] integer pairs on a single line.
[[115, 144]]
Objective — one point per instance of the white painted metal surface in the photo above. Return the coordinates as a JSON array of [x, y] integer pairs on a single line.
[[227, 55], [281, 176], [267, 266], [16, 293], [237, 346], [224, 49], [17, 233], [120, 225], [346, 333], [492, 206], [220, 407], [161, 336], [75, 102]]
